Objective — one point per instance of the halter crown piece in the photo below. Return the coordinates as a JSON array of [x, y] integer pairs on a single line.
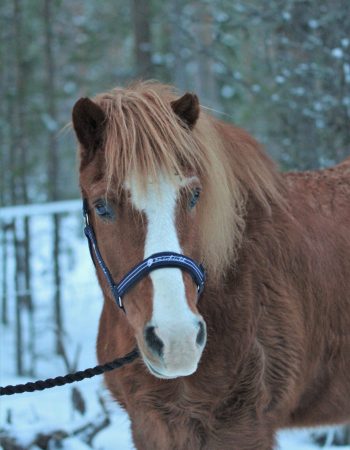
[[141, 270]]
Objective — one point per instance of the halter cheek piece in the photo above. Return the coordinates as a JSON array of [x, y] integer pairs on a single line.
[[141, 270]]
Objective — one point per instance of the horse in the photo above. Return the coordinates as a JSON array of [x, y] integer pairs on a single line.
[[266, 344]]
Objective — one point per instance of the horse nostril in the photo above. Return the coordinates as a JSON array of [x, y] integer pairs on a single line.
[[153, 341], [201, 334]]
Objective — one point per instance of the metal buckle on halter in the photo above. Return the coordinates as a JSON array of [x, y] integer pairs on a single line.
[[86, 213], [117, 295], [200, 287]]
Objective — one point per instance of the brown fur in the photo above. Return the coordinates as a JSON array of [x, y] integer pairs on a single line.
[[277, 300]]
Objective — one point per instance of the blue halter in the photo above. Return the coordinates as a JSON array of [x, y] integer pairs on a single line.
[[141, 270]]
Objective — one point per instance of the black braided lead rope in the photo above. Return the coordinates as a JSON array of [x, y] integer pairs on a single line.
[[40, 385]]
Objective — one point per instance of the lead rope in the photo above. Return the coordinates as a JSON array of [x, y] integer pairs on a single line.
[[49, 383]]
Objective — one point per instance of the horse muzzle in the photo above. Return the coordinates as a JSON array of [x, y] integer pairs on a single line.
[[175, 350]]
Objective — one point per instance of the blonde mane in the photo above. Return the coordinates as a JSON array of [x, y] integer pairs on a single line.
[[144, 135]]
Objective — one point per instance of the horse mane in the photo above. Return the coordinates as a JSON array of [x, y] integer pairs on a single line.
[[144, 135]]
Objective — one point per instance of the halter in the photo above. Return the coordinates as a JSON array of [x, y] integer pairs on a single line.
[[141, 270]]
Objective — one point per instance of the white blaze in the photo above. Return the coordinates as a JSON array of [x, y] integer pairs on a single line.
[[158, 202], [172, 318]]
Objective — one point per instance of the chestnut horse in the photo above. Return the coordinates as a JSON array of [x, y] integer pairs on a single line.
[[267, 343]]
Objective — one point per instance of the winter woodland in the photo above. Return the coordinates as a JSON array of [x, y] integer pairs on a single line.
[[279, 68]]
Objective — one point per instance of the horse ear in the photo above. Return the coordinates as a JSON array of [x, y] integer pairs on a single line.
[[187, 108], [89, 124]]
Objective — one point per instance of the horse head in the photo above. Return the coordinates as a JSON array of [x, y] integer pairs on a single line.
[[143, 195]]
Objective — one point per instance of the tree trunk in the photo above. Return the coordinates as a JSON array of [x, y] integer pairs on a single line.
[[21, 292], [18, 189], [4, 165], [53, 168], [141, 17], [28, 298], [203, 33], [177, 43], [4, 303]]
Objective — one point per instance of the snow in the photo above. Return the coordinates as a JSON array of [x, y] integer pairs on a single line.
[[300, 440], [298, 91], [74, 444], [219, 68], [26, 415], [313, 24], [286, 15], [227, 91], [70, 87], [157, 58], [337, 53], [346, 101], [221, 16], [19, 211], [49, 122], [256, 88], [346, 68], [280, 79]]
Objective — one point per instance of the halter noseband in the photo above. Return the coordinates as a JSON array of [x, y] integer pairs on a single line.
[[141, 270]]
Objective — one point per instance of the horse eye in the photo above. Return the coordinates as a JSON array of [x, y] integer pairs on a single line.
[[103, 209], [195, 197]]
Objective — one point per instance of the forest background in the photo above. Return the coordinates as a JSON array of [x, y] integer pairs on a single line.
[[278, 68]]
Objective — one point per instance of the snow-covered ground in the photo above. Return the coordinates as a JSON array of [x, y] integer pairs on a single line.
[[26, 415]]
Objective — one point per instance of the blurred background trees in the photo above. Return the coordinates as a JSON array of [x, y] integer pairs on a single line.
[[279, 68]]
